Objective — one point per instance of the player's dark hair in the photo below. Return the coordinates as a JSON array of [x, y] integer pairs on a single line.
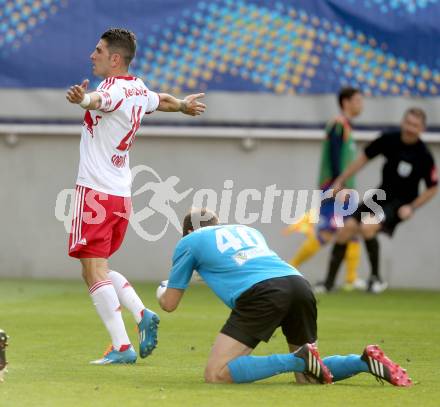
[[198, 218], [121, 40], [347, 93], [416, 111]]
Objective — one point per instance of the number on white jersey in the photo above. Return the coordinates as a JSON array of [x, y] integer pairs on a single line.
[[127, 141]]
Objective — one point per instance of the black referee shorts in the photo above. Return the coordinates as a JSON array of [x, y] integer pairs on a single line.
[[283, 301], [391, 218]]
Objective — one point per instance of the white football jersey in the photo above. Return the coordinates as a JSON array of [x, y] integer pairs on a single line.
[[108, 133]]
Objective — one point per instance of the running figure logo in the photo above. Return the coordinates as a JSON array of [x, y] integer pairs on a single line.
[[164, 193]]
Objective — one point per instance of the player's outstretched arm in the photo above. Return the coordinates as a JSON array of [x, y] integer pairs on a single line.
[[76, 94], [190, 105]]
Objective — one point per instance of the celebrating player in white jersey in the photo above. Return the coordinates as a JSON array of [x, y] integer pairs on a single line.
[[102, 202]]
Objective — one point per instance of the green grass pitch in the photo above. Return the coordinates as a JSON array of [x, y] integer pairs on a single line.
[[54, 332]]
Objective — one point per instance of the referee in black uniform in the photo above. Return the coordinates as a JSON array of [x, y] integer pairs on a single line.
[[407, 162]]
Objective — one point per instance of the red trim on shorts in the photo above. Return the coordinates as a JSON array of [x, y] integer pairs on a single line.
[[78, 214]]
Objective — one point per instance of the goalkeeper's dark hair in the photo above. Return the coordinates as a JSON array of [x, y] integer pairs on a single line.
[[198, 218], [120, 40]]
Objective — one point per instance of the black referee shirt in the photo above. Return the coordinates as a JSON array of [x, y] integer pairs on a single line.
[[405, 166]]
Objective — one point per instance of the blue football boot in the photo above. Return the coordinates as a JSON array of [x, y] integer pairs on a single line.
[[115, 357], [147, 330]]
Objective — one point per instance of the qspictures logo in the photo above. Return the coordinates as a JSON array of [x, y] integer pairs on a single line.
[[162, 195]]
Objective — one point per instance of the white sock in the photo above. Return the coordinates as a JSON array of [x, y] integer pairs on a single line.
[[127, 295], [106, 301]]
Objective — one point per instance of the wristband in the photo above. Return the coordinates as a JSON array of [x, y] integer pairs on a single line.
[[161, 289], [86, 101]]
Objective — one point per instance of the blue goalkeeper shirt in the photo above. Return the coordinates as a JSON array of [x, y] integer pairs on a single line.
[[229, 258]]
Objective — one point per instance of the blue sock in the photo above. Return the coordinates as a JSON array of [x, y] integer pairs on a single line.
[[343, 367], [245, 369]]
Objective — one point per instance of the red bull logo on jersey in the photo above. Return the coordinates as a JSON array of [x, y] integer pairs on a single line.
[[89, 123]]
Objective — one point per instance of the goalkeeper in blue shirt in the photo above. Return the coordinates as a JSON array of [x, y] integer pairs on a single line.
[[264, 293]]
